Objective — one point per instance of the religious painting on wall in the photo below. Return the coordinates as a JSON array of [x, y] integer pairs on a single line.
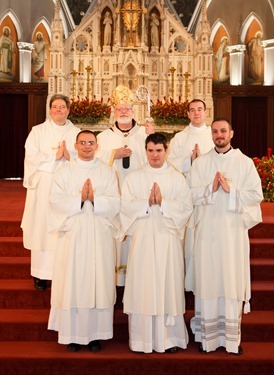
[[220, 57], [254, 55], [8, 51], [40, 55]]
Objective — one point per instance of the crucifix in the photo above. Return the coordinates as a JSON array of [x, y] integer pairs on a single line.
[[131, 13]]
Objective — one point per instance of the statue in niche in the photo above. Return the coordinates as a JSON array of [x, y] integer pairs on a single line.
[[221, 59], [154, 30], [39, 56], [255, 57], [107, 22], [6, 51]]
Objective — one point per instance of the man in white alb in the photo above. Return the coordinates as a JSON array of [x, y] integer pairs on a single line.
[[193, 141], [227, 192], [156, 205], [84, 207], [48, 146]]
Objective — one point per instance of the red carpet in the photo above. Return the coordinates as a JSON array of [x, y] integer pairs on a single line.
[[26, 347]]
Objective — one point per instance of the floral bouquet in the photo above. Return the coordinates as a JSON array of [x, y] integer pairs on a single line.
[[265, 168], [169, 112], [88, 111]]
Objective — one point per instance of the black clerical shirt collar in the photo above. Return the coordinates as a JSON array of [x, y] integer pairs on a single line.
[[128, 130], [223, 152]]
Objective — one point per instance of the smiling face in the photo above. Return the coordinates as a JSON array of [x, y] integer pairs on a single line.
[[86, 145], [221, 135], [156, 154], [124, 114], [59, 112], [197, 113]]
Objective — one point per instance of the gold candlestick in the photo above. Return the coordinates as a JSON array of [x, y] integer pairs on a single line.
[[172, 71], [187, 90], [74, 74], [88, 69]]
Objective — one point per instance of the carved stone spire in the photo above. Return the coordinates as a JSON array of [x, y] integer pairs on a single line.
[[204, 31]]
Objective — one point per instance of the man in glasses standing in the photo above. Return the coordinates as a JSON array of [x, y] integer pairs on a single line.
[[48, 146], [123, 147], [83, 208]]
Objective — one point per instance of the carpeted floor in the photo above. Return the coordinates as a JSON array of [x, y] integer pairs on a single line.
[[26, 347]]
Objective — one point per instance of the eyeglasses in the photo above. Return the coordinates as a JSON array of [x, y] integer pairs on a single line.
[[58, 107], [83, 143], [123, 109]]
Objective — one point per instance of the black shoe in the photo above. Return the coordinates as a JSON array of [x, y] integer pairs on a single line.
[[94, 346], [40, 284], [174, 349], [72, 347], [240, 350], [201, 349]]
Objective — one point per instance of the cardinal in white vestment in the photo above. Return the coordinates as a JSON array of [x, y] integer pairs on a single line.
[[227, 192], [84, 207], [123, 147], [48, 146], [156, 205]]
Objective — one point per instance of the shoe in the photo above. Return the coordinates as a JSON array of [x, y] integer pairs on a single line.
[[40, 284], [94, 346], [240, 350], [72, 347], [174, 349], [201, 349]]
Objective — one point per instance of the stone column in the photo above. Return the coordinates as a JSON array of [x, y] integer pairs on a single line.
[[25, 61], [236, 64], [268, 62]]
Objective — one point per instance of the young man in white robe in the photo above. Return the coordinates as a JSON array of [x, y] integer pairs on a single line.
[[188, 145], [84, 207], [48, 146], [193, 141], [123, 147], [156, 205], [227, 193]]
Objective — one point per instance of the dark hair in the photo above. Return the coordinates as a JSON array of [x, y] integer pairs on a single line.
[[222, 119], [86, 131], [157, 138], [60, 97], [196, 101]]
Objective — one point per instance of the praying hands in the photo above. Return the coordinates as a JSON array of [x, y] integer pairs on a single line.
[[155, 195]]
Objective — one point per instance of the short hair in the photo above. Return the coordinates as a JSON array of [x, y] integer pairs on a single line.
[[86, 131], [156, 138], [60, 97], [217, 119], [196, 101]]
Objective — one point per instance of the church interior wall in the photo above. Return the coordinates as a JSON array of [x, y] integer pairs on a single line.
[[107, 64]]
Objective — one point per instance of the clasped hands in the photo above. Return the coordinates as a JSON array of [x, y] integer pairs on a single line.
[[195, 152], [155, 195], [220, 180], [62, 151], [87, 191]]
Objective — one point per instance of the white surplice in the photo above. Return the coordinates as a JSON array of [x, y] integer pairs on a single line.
[[109, 140], [154, 290], [219, 269], [40, 164], [182, 144], [83, 285]]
